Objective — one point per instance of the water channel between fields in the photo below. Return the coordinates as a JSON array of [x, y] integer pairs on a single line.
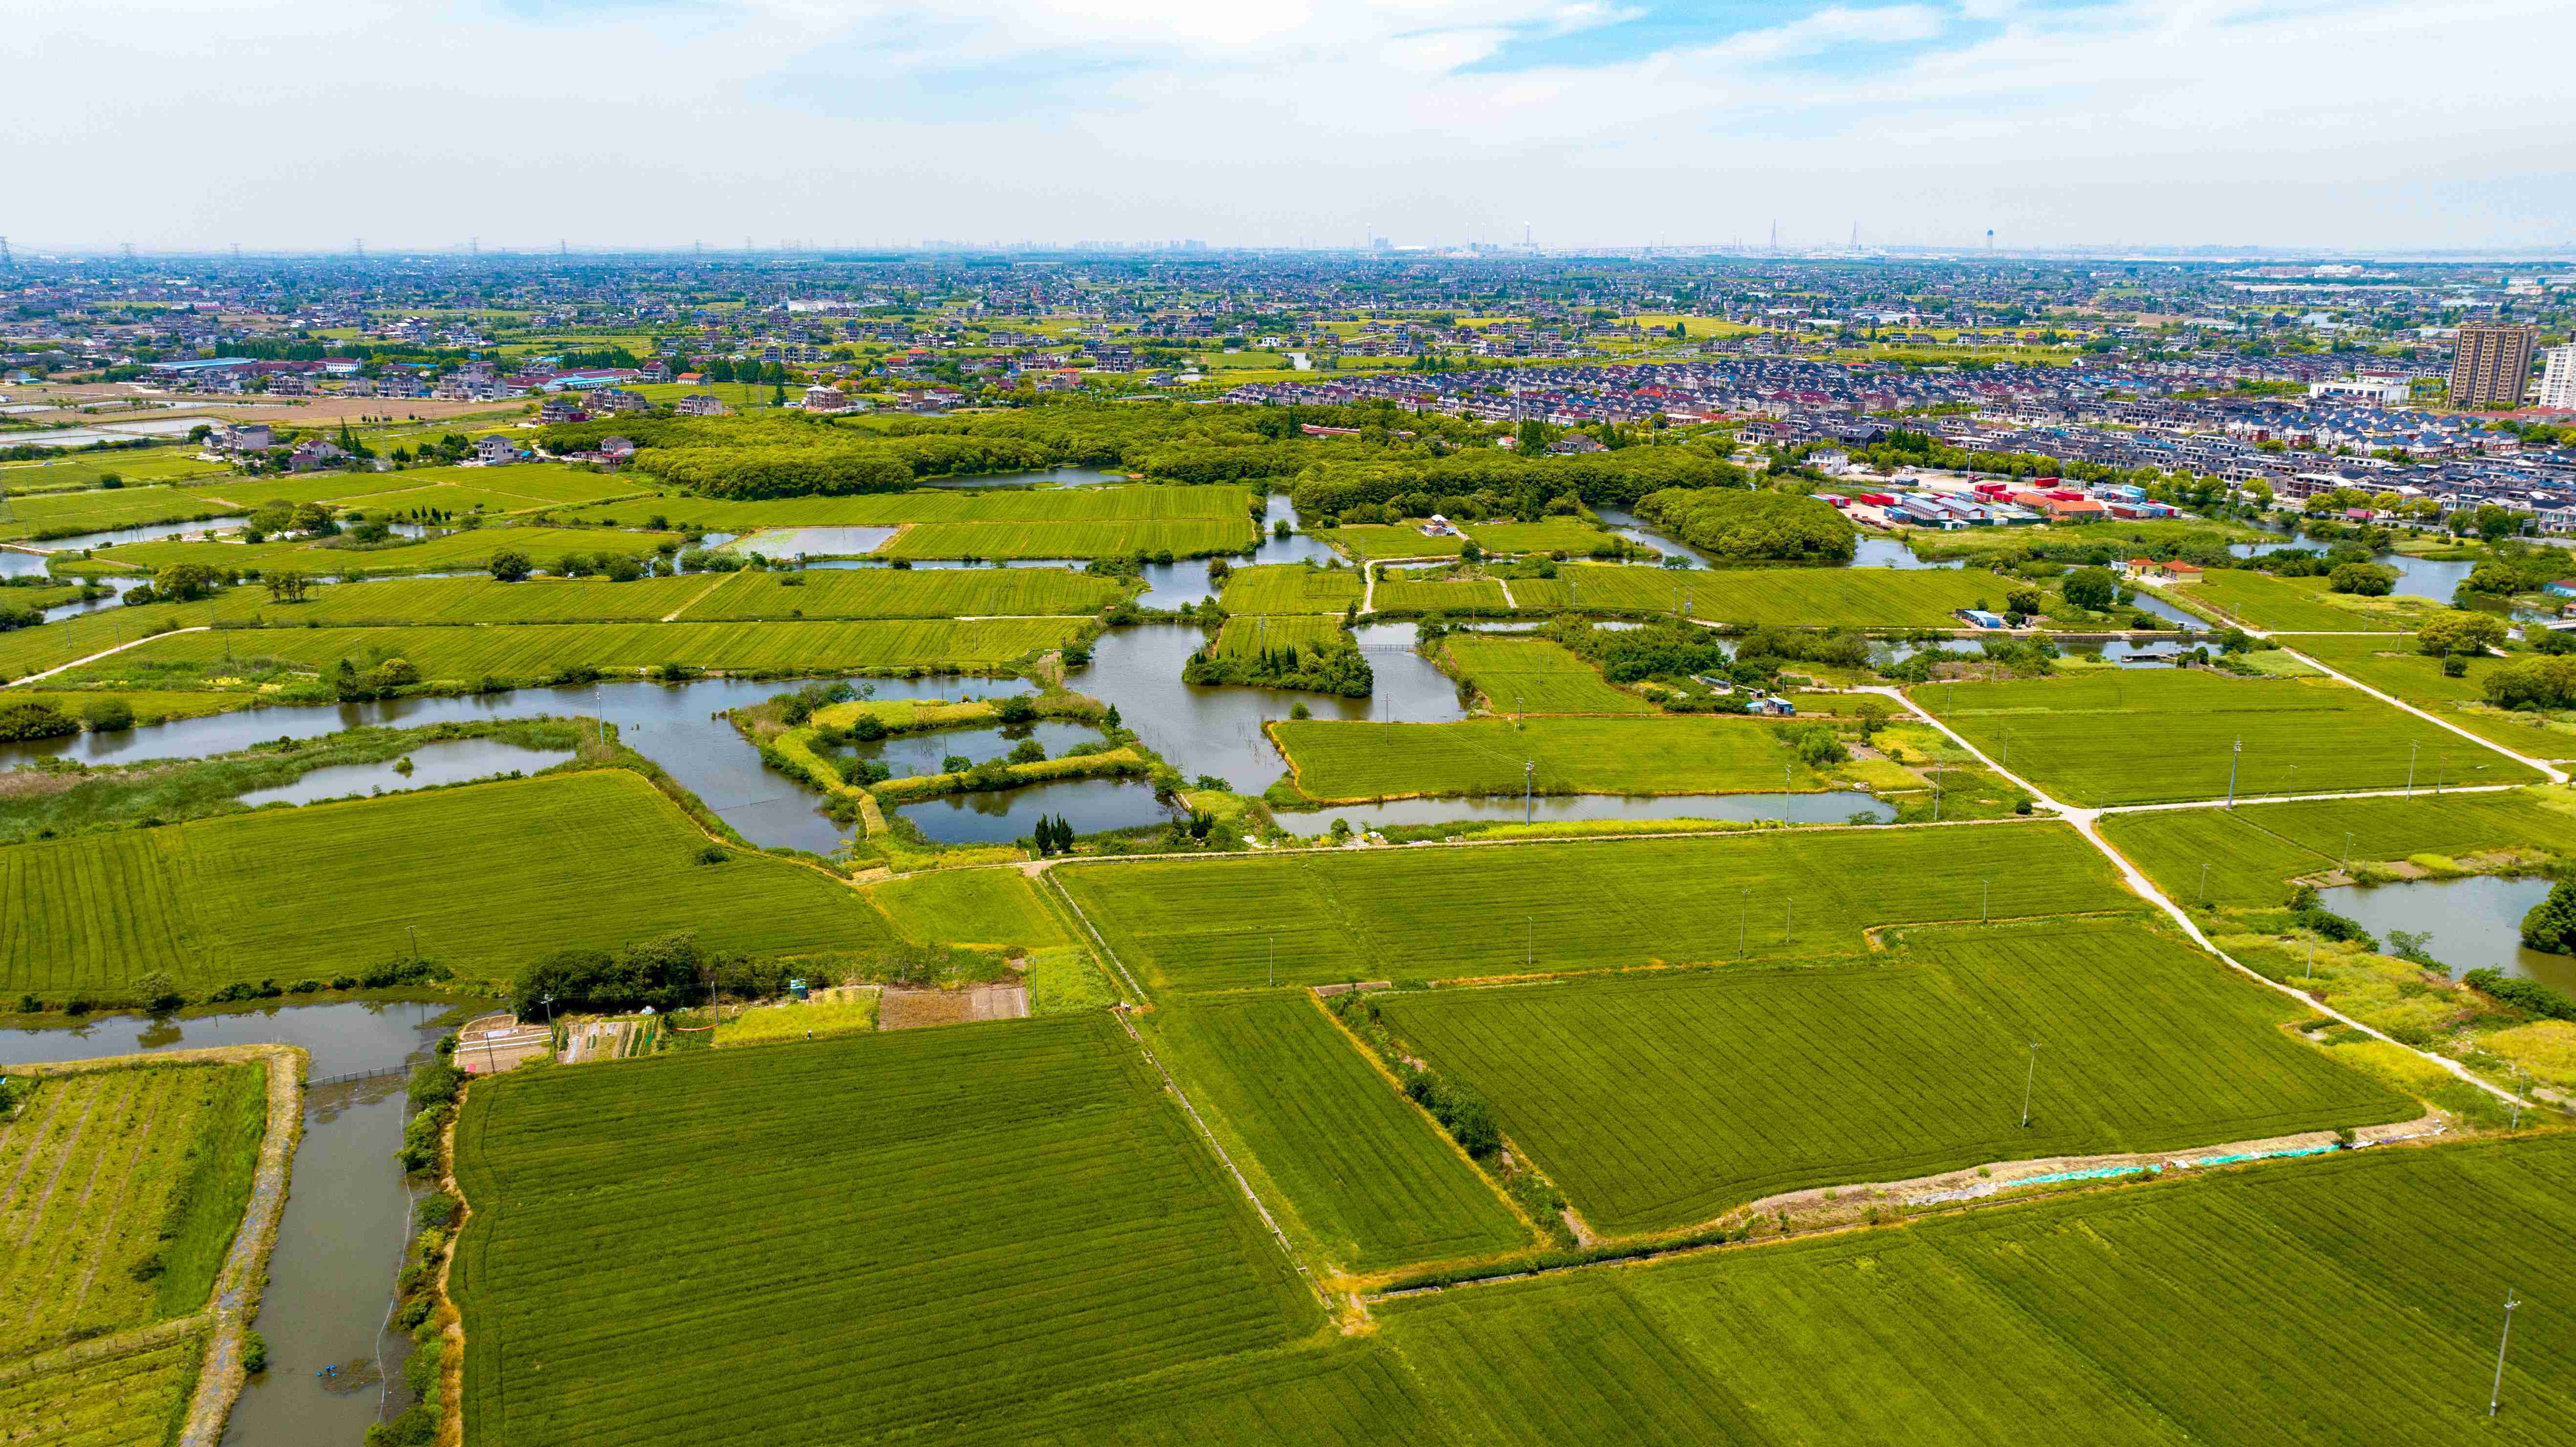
[[348, 1210]]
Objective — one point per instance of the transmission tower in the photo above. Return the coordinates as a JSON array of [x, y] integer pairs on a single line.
[[7, 262]]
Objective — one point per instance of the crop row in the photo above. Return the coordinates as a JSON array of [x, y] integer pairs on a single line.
[[1347, 760]]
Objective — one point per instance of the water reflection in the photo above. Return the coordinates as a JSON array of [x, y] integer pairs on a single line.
[[1089, 805], [2476, 922], [451, 762], [1826, 808]]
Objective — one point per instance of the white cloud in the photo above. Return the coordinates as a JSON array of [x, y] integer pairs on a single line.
[[2363, 122]]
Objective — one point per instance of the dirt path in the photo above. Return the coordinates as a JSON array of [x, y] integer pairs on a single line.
[[720, 579], [237, 1288], [108, 653]]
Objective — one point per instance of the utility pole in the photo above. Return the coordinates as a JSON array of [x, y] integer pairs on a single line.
[[1789, 923], [1529, 775], [1744, 910], [2346, 866], [1529, 942], [2495, 1396], [2234, 757], [2410, 769], [1985, 892], [1274, 959], [2204, 881], [2029, 1076], [415, 939]]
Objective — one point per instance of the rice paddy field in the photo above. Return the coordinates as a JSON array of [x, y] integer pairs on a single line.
[[1290, 588], [1247, 634], [749, 595], [522, 487], [2395, 667], [1348, 761], [33, 650], [1537, 675], [1552, 535], [779, 1024], [535, 651], [2243, 1307], [2253, 851], [2293, 605], [2106, 736], [1401, 590], [1190, 926], [2145, 1045], [1160, 503], [323, 890], [990, 908], [1792, 597], [123, 1188], [61, 514], [1366, 1176], [157, 464], [470, 548], [1362, 542], [1025, 1219], [130, 1399], [1181, 537]]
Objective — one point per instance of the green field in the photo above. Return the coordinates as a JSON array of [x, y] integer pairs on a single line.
[[1025, 1217], [1181, 537], [1554, 535], [485, 877], [518, 488], [1290, 588], [1448, 913], [1792, 597], [2254, 851], [131, 1399], [2297, 605], [1251, 633], [62, 514], [2144, 1045], [535, 651], [1361, 542], [470, 548], [989, 907], [1537, 675], [1349, 761], [817, 593], [2395, 667], [157, 464], [124, 1190], [2108, 736], [1406, 590], [2242, 1309], [1224, 503], [1365, 1175]]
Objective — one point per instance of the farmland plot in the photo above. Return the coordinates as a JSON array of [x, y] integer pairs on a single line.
[[1364, 541], [1368, 1177], [1191, 925], [2254, 850], [1290, 588], [1778, 1079], [1335, 760], [2237, 1309], [1554, 535], [1790, 597], [1246, 635], [534, 652], [1407, 590], [119, 1194], [62, 514], [907, 593], [128, 1400], [2112, 737], [1214, 503], [2395, 667], [596, 858], [1537, 675], [1181, 537], [468, 549], [1024, 1218], [994, 907]]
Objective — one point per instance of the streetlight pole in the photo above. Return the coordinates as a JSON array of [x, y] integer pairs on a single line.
[[2495, 1396], [1529, 774], [2029, 1076]]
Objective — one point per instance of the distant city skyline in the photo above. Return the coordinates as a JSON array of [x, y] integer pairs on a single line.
[[2350, 128]]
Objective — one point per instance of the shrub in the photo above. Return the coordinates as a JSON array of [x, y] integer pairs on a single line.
[[2523, 994], [107, 715], [254, 1353], [2551, 924]]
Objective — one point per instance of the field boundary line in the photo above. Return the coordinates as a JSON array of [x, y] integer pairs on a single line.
[[720, 579], [2244, 799], [2085, 822], [2552, 772], [1231, 1168], [110, 652], [1094, 930]]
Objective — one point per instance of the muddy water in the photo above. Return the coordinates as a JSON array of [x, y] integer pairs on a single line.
[[2476, 923], [347, 1215]]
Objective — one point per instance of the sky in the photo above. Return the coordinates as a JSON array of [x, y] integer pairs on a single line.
[[2342, 124]]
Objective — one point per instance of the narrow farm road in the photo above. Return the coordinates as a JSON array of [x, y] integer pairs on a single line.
[[698, 597], [2085, 821], [109, 652], [2556, 774]]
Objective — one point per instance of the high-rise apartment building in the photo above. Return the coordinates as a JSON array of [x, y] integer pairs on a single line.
[[2492, 364], [2558, 379]]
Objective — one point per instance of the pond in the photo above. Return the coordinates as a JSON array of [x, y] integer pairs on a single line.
[[451, 762], [18, 563], [998, 817], [1056, 477], [924, 753], [1826, 808], [348, 1211], [2416, 577], [113, 536], [117, 587], [678, 726], [1218, 730], [2476, 922], [2149, 603], [798, 542]]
